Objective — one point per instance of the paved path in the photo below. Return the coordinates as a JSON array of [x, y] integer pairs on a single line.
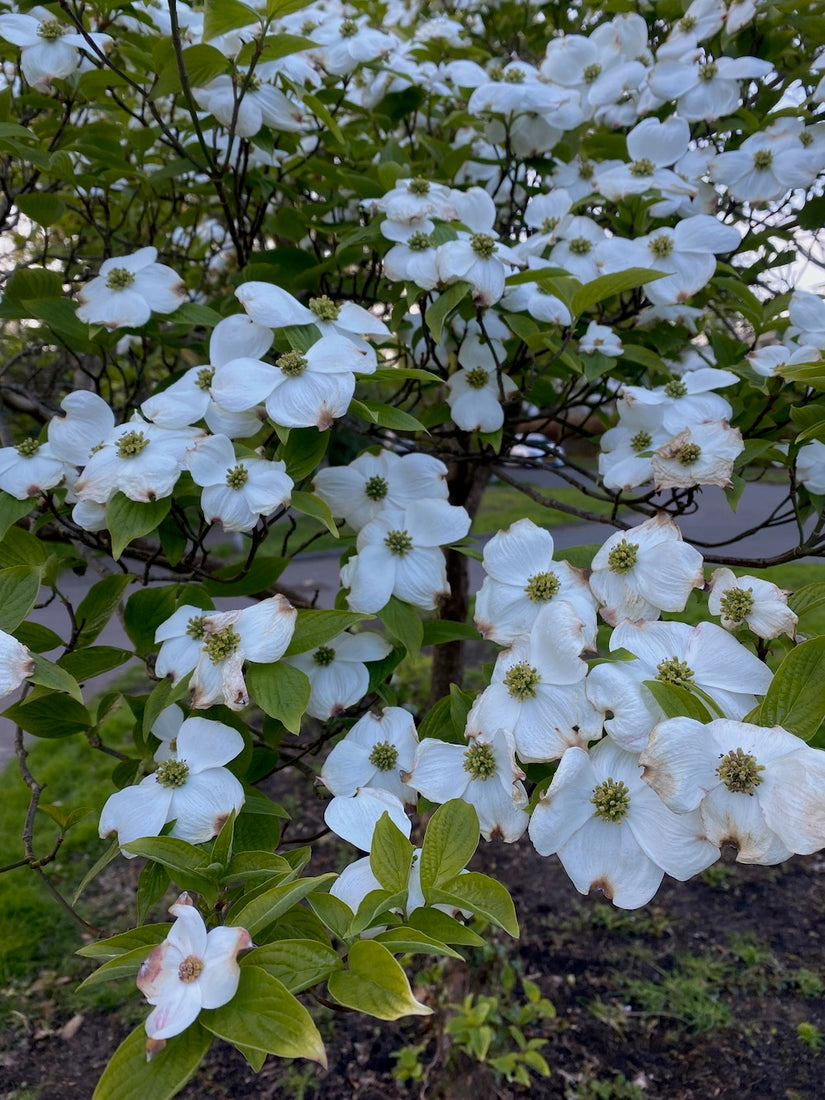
[[712, 522]]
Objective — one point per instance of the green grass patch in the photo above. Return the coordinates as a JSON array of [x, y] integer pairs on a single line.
[[35, 930]]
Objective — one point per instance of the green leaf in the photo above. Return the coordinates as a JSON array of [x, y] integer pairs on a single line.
[[309, 505], [148, 935], [38, 638], [409, 940], [19, 587], [480, 895], [807, 598], [303, 451], [125, 965], [127, 519], [441, 926], [84, 664], [50, 675], [11, 510], [202, 63], [153, 882], [20, 548], [314, 628], [677, 702], [385, 416], [334, 913], [147, 608], [249, 865], [41, 206], [449, 843], [128, 1074], [162, 695], [273, 47], [99, 605], [266, 908], [297, 964], [375, 984], [186, 864], [606, 286], [50, 716], [404, 623], [323, 114], [31, 283], [221, 16], [264, 1015], [795, 699], [281, 691], [460, 703], [391, 856], [439, 311], [375, 905]]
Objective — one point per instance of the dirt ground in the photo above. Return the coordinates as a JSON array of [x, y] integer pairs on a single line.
[[716, 989]]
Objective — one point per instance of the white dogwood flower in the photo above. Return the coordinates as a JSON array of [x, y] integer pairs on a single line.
[[701, 454], [484, 774], [704, 657], [192, 969], [353, 817], [639, 573], [756, 788], [522, 578], [191, 787], [237, 491], [376, 483], [399, 555], [337, 671], [129, 289], [138, 459], [475, 398], [30, 469], [760, 604], [49, 48], [374, 753], [16, 663], [612, 832]]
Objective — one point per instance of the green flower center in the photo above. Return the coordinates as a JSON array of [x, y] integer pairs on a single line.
[[237, 477], [542, 587], [119, 278], [549, 224], [384, 756], [324, 308], [203, 379], [612, 800], [419, 186], [661, 246], [521, 681], [643, 167], [28, 448], [592, 72], [195, 628], [348, 28], [674, 671], [736, 603], [131, 444], [676, 388], [514, 76], [580, 246], [762, 159], [483, 245], [687, 23], [480, 761], [689, 454], [495, 71], [740, 772], [477, 378], [324, 655], [190, 969], [641, 441], [398, 542], [221, 644], [292, 363], [622, 557], [586, 170], [708, 71], [50, 30], [806, 138], [308, 27], [419, 242], [172, 773], [376, 488]]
